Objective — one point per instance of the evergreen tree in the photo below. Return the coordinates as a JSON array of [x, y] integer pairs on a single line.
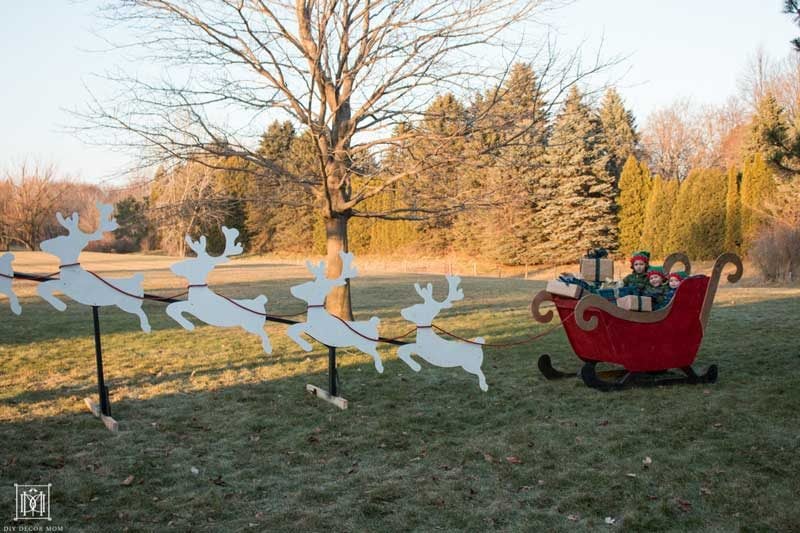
[[579, 209], [757, 190], [444, 125], [768, 133], [733, 220], [657, 216], [619, 128], [634, 190], [698, 216], [512, 116]]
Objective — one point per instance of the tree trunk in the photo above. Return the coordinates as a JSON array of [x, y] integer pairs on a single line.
[[338, 302]]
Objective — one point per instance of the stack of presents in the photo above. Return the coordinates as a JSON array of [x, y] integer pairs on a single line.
[[646, 288]]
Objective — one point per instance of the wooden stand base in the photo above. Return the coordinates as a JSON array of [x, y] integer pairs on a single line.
[[109, 422], [338, 401]]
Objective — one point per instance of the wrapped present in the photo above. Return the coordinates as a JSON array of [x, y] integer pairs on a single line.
[[597, 266], [613, 293], [570, 290], [635, 303]]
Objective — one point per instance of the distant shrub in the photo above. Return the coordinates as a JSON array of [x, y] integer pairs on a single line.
[[776, 252]]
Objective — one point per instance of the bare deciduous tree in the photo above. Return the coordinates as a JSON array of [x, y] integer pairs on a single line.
[[346, 71]]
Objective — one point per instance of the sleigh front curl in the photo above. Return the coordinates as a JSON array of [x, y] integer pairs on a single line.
[[645, 344]]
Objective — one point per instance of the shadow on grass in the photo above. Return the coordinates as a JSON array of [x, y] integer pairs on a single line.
[[428, 450]]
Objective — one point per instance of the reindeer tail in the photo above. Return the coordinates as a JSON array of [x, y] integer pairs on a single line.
[[479, 340], [261, 300], [374, 321], [138, 278]]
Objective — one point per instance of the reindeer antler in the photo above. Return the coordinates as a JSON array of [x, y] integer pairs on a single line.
[[317, 270], [348, 270], [454, 294], [107, 222], [198, 247], [70, 223], [231, 246], [426, 294]]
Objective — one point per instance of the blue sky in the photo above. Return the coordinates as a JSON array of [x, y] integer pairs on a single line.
[[676, 48]]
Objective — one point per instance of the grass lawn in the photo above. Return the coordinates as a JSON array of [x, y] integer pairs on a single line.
[[217, 436]]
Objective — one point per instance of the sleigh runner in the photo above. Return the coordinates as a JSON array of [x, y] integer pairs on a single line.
[[644, 344]]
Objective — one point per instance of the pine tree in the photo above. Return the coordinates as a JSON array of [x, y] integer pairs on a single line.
[[733, 220], [634, 190], [657, 216], [768, 133], [698, 216], [619, 128], [579, 209], [513, 117], [757, 190]]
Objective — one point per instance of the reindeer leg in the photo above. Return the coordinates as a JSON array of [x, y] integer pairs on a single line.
[[46, 289], [295, 331], [135, 307], [175, 311], [404, 353], [14, 302], [475, 368], [258, 329], [372, 349]]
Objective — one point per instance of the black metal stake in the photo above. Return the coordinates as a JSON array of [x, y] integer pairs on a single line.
[[332, 377], [102, 390]]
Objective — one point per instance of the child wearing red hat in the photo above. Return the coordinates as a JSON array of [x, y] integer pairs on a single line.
[[674, 279], [638, 277]]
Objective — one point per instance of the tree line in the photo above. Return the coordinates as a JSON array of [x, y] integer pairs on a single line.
[[530, 184]]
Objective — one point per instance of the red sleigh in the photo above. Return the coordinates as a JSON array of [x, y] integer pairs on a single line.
[[645, 344]]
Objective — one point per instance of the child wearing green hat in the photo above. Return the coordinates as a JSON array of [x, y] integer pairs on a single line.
[[656, 289], [638, 277]]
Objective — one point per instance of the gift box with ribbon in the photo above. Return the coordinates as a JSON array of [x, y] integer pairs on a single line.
[[612, 293], [635, 303], [597, 266], [570, 290]]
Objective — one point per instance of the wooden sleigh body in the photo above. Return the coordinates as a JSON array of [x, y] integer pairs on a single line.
[[645, 344]]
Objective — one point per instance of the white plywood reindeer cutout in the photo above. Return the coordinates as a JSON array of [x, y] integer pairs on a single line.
[[83, 286], [210, 307], [6, 277], [326, 328], [434, 349]]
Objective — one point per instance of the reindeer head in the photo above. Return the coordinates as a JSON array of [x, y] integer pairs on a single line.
[[314, 292], [197, 269], [423, 314], [68, 247]]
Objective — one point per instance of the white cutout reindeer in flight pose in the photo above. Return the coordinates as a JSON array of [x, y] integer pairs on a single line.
[[209, 306], [323, 326], [434, 349], [6, 275], [82, 286]]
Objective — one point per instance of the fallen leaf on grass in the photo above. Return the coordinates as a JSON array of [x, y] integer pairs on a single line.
[[630, 474], [610, 520], [603, 423], [646, 462], [572, 517], [685, 505], [195, 471], [705, 491], [514, 460], [489, 457], [717, 424], [128, 480]]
